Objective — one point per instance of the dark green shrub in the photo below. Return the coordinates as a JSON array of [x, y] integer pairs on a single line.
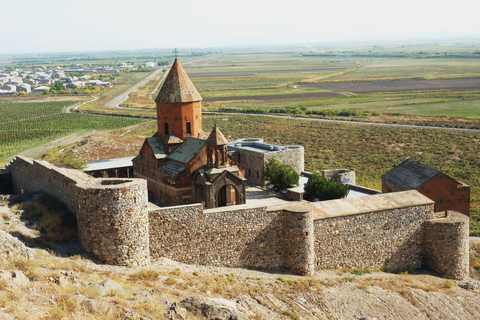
[[282, 176], [323, 189]]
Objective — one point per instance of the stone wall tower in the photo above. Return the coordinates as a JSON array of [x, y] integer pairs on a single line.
[[178, 106]]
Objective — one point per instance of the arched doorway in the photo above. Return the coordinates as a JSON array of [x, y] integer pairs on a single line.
[[227, 195]]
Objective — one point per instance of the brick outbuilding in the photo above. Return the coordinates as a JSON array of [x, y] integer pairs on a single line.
[[447, 192]]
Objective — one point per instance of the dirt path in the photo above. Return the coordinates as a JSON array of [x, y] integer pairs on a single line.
[[42, 149], [76, 106]]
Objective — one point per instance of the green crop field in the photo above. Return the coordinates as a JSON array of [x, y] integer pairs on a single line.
[[25, 125]]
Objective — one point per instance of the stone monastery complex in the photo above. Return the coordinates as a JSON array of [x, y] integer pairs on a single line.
[[199, 178]]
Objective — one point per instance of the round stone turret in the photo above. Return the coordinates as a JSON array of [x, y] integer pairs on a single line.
[[113, 221]]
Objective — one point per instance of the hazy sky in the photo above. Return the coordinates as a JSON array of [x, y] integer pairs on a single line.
[[85, 25]]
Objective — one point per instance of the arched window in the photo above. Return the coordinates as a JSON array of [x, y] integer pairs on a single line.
[[166, 128], [189, 128]]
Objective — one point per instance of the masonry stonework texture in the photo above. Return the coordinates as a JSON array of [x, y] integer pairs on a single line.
[[248, 238], [113, 221], [389, 239], [116, 227], [446, 241], [111, 213], [298, 240], [31, 176], [253, 161]]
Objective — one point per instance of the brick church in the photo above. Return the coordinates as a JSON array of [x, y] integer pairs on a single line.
[[181, 163]]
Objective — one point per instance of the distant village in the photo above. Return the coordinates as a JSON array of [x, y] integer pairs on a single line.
[[52, 79]]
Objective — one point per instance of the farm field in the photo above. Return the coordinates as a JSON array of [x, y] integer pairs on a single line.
[[360, 87], [25, 125], [424, 83], [431, 84]]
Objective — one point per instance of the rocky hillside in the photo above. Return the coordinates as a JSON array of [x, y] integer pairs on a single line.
[[43, 280]]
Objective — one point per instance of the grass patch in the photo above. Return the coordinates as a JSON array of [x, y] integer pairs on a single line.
[[145, 275], [51, 217], [291, 314], [170, 281]]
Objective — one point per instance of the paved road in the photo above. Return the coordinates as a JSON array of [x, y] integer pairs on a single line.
[[476, 239], [117, 100]]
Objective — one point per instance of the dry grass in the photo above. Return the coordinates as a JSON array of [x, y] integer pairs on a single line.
[[90, 292], [170, 281], [51, 218], [145, 275]]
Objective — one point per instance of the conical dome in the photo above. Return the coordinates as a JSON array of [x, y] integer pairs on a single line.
[[177, 87], [216, 138]]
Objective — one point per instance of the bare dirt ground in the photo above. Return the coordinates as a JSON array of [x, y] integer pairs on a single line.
[[360, 87], [106, 146]]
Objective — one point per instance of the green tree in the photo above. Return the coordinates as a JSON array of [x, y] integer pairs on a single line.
[[282, 176], [323, 189], [57, 85], [269, 168]]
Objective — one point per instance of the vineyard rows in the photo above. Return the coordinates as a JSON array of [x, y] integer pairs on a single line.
[[25, 125]]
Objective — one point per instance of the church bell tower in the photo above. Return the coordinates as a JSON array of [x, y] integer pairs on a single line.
[[178, 106]]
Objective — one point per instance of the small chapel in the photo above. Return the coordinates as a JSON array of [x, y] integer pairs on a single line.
[[182, 163]]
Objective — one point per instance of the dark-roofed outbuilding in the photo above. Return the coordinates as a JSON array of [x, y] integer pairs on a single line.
[[447, 192]]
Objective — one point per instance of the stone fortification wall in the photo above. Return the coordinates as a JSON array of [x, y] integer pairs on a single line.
[[113, 221], [246, 238], [389, 231], [446, 245], [30, 176], [111, 213], [390, 239]]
